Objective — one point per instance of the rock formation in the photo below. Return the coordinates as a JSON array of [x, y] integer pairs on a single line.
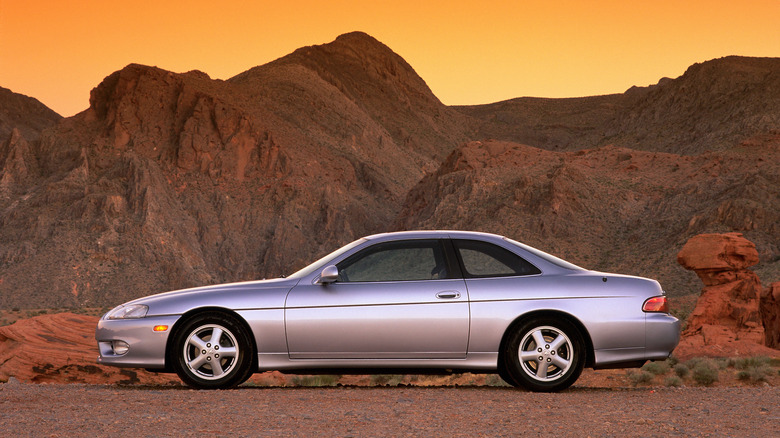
[[25, 114], [689, 115], [173, 180], [726, 320], [176, 180], [18, 166], [608, 208], [770, 315], [61, 348]]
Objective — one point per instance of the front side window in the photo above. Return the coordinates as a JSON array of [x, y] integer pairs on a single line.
[[406, 260], [483, 259]]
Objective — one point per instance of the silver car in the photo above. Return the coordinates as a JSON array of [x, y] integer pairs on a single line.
[[408, 302]]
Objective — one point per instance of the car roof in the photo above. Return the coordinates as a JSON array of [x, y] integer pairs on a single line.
[[423, 234]]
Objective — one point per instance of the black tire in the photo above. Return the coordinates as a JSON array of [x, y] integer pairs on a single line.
[[505, 375], [544, 355], [204, 364]]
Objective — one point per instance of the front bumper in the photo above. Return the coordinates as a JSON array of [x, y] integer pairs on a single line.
[[146, 348]]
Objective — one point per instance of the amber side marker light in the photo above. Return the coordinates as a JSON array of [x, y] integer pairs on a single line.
[[160, 328], [656, 304]]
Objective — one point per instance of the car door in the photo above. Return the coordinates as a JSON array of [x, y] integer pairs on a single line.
[[393, 300]]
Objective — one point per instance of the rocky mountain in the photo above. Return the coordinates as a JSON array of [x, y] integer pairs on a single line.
[[607, 208], [174, 180], [171, 180], [713, 106], [25, 114]]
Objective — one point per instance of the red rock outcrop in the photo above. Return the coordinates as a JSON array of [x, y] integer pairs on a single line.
[[726, 320], [61, 348], [770, 315]]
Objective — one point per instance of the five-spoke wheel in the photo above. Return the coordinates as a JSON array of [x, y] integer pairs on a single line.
[[544, 355], [212, 351]]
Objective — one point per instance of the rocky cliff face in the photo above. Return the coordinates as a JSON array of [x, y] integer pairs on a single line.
[[713, 106], [770, 315], [25, 114], [173, 180], [607, 208]]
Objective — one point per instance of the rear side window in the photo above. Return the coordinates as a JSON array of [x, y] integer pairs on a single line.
[[483, 259]]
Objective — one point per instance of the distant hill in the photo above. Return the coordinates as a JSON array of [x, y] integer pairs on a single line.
[[173, 180]]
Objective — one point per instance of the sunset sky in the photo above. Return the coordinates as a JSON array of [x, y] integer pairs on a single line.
[[468, 52]]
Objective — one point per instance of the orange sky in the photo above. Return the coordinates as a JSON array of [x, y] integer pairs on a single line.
[[468, 52]]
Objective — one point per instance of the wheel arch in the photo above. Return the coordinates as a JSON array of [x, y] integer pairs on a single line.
[[186, 316], [552, 314]]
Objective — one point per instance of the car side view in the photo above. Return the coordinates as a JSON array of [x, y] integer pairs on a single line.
[[405, 302]]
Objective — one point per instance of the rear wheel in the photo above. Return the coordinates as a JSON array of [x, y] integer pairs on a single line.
[[544, 355], [212, 351]]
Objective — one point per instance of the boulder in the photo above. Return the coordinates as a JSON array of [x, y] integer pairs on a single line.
[[726, 320]]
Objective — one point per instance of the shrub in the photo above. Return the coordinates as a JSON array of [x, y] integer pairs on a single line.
[[755, 369], [682, 370], [691, 363], [495, 380], [744, 363], [386, 379], [656, 368], [705, 372], [639, 377], [673, 381], [324, 380], [723, 363]]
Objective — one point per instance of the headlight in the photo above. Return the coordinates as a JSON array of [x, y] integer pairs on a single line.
[[128, 312]]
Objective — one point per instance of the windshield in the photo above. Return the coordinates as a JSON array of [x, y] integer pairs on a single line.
[[549, 257], [312, 267]]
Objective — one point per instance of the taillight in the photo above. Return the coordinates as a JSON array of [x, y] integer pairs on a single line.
[[656, 304]]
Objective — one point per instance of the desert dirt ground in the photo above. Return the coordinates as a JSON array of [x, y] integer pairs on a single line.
[[110, 410]]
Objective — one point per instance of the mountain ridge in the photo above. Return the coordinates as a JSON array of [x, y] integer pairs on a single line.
[[170, 180]]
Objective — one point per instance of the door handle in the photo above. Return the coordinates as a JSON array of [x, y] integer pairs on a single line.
[[448, 294]]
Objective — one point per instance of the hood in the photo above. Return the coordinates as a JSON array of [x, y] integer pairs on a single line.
[[260, 294]]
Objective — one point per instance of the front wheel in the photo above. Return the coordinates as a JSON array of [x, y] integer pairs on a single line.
[[544, 355], [212, 351]]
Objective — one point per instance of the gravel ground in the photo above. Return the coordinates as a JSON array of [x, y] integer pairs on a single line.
[[84, 410]]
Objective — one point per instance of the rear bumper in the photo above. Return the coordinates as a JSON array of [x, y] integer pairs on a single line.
[[662, 335]]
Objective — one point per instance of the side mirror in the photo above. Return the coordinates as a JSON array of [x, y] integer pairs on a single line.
[[329, 274]]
